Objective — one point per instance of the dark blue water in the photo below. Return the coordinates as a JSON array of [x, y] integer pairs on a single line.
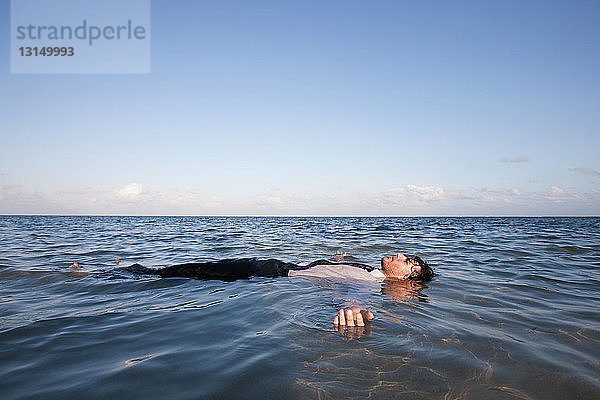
[[513, 312]]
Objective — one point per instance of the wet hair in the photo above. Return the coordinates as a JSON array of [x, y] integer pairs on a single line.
[[426, 272]]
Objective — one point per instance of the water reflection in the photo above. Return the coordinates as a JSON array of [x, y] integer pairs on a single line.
[[350, 332], [404, 291], [407, 292]]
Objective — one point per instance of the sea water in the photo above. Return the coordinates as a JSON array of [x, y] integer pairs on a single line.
[[512, 313]]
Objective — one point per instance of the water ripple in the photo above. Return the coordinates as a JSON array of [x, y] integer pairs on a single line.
[[511, 313]]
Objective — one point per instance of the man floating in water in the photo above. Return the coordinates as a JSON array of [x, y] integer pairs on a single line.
[[395, 268]]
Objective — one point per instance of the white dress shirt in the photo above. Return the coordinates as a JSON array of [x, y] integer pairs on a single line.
[[341, 272]]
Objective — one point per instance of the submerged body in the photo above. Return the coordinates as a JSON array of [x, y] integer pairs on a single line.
[[244, 268], [397, 267]]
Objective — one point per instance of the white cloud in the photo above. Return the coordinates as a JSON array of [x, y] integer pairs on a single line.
[[137, 199], [10, 190], [90, 189], [84, 190], [503, 191], [586, 171], [554, 194], [131, 192], [519, 159], [414, 192], [269, 201], [214, 202]]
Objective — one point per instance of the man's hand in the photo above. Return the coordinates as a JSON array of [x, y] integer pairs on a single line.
[[354, 319], [339, 256]]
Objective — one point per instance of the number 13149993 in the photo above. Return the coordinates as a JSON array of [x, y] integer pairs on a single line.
[[46, 51]]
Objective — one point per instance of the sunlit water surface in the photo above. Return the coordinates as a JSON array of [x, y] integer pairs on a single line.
[[513, 312]]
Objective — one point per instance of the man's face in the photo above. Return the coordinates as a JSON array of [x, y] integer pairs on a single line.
[[399, 266]]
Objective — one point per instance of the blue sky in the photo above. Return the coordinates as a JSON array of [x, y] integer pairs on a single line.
[[319, 108]]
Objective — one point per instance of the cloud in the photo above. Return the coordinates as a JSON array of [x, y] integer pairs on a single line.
[[130, 193], [586, 171], [414, 192], [9, 190], [554, 194], [138, 199], [403, 200], [520, 159], [504, 191], [269, 201], [500, 195], [84, 190]]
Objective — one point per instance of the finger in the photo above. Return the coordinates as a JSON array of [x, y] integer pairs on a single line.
[[359, 331], [350, 334], [367, 314], [359, 320], [336, 320], [341, 317], [349, 318]]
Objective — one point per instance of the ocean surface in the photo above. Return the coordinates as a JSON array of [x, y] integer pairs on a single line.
[[512, 313]]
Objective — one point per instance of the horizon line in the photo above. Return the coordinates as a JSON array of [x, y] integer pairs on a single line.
[[304, 216]]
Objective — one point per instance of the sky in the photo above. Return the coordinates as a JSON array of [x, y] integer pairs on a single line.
[[319, 108]]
